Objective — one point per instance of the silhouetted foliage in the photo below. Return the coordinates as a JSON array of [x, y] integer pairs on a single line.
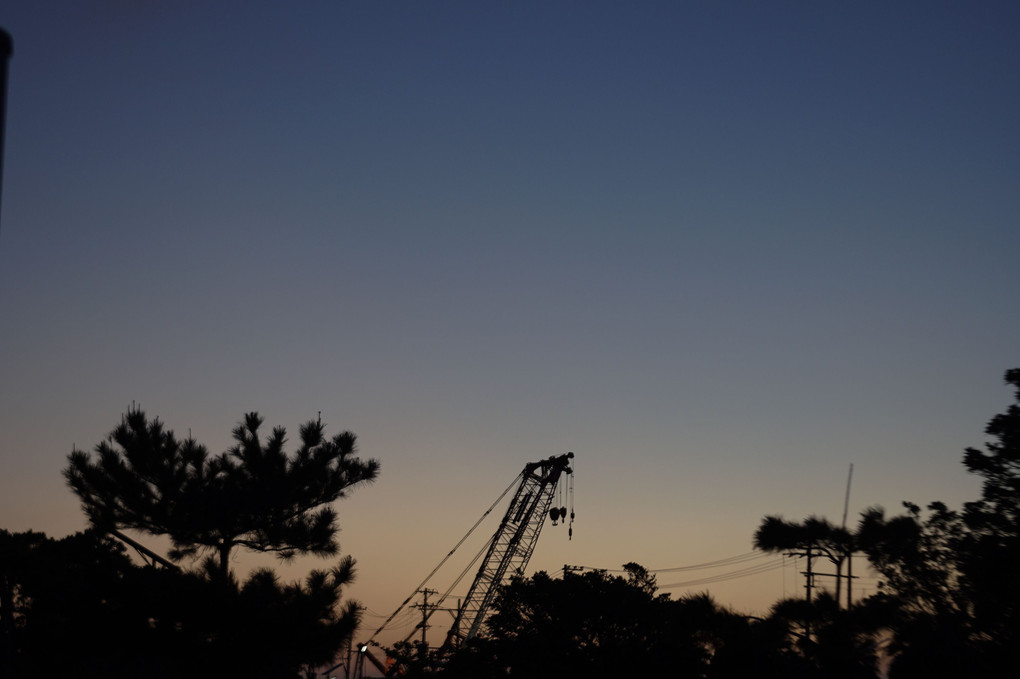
[[80, 606], [597, 625], [815, 536], [587, 624], [640, 577], [947, 607], [267, 628], [991, 553], [916, 555], [252, 496], [951, 577], [821, 639]]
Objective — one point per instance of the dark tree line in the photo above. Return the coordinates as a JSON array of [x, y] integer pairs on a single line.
[[947, 608], [80, 606], [598, 625], [952, 577], [948, 605]]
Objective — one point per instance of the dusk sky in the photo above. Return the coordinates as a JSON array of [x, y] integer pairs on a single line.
[[719, 250]]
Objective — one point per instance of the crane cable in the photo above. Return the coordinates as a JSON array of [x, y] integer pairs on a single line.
[[570, 500], [447, 557], [446, 594], [485, 548]]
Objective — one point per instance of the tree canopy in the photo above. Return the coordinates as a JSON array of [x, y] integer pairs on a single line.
[[80, 606], [992, 547], [203, 622], [952, 575], [595, 624], [253, 495], [814, 537], [949, 599], [949, 604]]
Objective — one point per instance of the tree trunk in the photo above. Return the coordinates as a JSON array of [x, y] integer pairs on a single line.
[[839, 580], [849, 578], [224, 565]]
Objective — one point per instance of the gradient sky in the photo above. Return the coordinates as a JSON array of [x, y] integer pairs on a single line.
[[720, 250]]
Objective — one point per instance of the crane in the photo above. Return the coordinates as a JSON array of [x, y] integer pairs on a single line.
[[507, 553], [514, 541]]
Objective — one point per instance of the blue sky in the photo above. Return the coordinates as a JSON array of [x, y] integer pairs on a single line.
[[720, 251]]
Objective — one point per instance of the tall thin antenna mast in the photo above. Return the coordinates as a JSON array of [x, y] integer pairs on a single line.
[[850, 551], [846, 502]]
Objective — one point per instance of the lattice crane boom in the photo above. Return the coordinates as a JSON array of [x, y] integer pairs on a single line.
[[514, 541], [506, 554]]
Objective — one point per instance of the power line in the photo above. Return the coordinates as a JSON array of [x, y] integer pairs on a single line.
[[718, 563], [748, 571], [766, 563], [771, 563]]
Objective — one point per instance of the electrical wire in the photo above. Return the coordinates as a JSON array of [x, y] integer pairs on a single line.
[[719, 563], [772, 563], [748, 571]]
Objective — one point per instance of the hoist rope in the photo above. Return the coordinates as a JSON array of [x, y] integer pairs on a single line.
[[456, 582], [447, 557]]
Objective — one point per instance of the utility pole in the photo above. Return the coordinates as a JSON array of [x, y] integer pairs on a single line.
[[569, 570], [809, 580], [809, 574], [849, 577], [426, 611], [850, 551]]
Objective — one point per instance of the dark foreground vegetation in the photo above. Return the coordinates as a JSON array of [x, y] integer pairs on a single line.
[[80, 607], [948, 606]]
